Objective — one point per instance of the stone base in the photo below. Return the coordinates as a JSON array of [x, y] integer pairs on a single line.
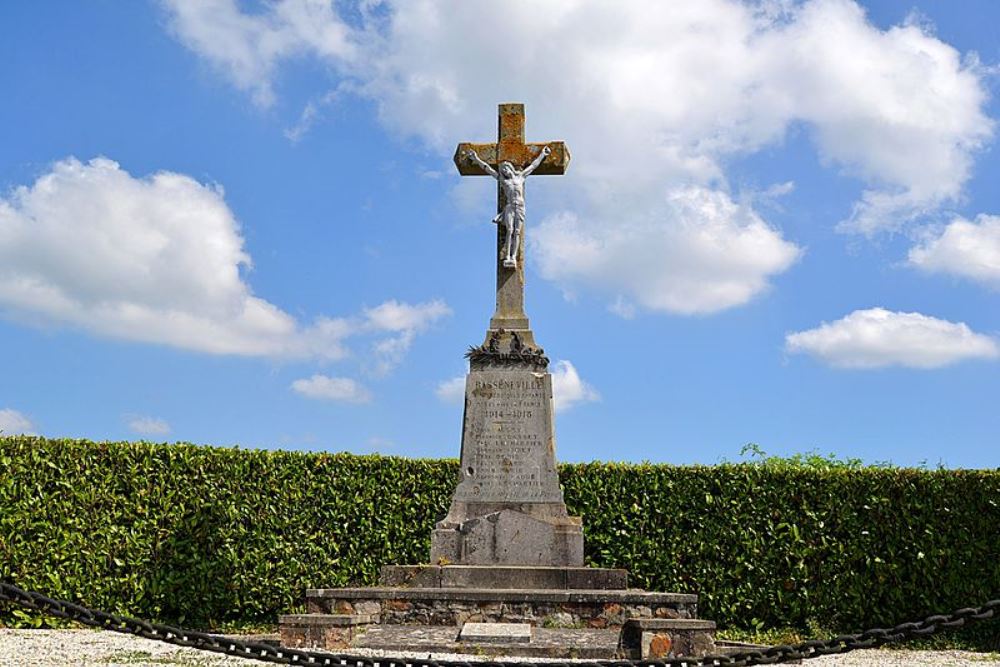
[[637, 639], [509, 537], [334, 631], [508, 507], [498, 577], [659, 639], [545, 608], [567, 613]]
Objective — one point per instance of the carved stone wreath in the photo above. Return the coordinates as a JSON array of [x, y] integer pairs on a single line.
[[518, 354]]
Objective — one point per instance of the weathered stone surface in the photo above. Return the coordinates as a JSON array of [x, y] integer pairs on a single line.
[[329, 620], [333, 631], [545, 642], [510, 147], [671, 624], [592, 578], [659, 638], [656, 645], [510, 536], [446, 543], [504, 633], [631, 597], [410, 576], [555, 164], [540, 608], [508, 508], [726, 647], [508, 445], [367, 607], [560, 619], [503, 576]]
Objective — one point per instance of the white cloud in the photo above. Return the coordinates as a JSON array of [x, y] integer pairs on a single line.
[[154, 259], [669, 90], [877, 337], [158, 260], [568, 389], [322, 387], [304, 124], [621, 307], [248, 47], [312, 112], [451, 391], [13, 422], [964, 248], [653, 99], [406, 321], [700, 253], [396, 316], [898, 108], [148, 425]]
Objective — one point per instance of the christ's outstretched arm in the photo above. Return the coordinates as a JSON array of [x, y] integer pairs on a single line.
[[474, 156], [537, 161]]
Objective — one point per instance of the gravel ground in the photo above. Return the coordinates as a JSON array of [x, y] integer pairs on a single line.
[[51, 648]]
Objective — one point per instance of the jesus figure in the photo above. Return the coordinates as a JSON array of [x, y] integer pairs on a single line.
[[512, 215]]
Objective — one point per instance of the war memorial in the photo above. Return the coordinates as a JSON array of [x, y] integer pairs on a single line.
[[506, 572]]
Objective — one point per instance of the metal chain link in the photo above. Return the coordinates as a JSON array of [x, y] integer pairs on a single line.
[[289, 656]]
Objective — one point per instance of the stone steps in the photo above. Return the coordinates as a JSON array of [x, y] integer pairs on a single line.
[[545, 642], [538, 607], [568, 611], [638, 639]]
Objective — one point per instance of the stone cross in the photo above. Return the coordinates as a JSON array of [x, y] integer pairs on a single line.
[[508, 507], [524, 158]]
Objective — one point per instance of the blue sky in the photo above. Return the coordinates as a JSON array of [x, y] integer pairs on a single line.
[[238, 223]]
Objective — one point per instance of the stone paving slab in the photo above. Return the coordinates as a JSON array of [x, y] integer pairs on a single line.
[[545, 642], [504, 633]]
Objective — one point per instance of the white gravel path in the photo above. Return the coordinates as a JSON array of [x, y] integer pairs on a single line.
[[89, 648]]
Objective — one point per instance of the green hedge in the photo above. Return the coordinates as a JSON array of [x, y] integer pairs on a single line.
[[207, 536]]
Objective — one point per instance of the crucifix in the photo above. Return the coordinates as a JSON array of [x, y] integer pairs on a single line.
[[510, 161]]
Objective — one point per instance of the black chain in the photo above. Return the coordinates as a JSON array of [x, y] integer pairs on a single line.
[[288, 656]]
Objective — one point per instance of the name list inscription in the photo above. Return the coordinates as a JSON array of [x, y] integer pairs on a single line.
[[506, 455]]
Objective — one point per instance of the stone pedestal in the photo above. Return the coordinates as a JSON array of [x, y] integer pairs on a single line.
[[455, 606], [508, 507], [508, 552]]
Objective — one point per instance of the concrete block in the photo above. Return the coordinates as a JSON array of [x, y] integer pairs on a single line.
[[503, 633], [660, 638], [509, 537]]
